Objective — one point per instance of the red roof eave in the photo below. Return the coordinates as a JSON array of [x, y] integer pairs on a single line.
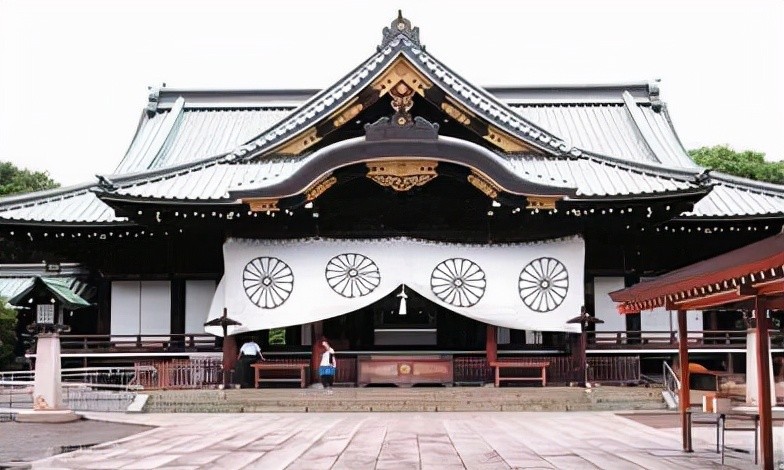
[[717, 276]]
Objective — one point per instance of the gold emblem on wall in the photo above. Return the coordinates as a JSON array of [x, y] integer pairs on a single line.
[[542, 202], [347, 113], [318, 189], [506, 142], [261, 204], [401, 70], [402, 175], [456, 113], [299, 143], [483, 184]]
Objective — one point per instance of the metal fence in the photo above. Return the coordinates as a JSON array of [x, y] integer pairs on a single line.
[[179, 373], [614, 369], [84, 389]]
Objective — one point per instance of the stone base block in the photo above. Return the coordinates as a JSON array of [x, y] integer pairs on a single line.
[[50, 416]]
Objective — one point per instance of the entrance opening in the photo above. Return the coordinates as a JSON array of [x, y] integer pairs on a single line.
[[423, 326]]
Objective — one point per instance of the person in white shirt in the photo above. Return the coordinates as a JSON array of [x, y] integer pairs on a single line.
[[327, 365], [250, 352]]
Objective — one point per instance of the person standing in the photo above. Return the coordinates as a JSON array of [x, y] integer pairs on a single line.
[[250, 353], [327, 365]]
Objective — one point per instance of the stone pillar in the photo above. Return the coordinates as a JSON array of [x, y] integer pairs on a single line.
[[47, 390], [752, 372]]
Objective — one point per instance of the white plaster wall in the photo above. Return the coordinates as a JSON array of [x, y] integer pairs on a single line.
[[125, 308], [198, 297], [604, 308], [503, 335], [155, 310]]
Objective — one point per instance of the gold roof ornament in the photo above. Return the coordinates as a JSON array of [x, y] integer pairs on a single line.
[[402, 175]]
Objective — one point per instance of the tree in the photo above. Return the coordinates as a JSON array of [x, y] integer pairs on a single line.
[[15, 180], [747, 164], [7, 334]]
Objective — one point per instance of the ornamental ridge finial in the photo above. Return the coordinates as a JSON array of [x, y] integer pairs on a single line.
[[400, 26]]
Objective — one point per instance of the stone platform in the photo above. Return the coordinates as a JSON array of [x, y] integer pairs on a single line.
[[398, 441], [406, 400]]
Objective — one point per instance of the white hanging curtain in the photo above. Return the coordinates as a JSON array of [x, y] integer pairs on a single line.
[[279, 283]]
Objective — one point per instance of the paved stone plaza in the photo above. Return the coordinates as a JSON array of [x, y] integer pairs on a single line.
[[501, 440]]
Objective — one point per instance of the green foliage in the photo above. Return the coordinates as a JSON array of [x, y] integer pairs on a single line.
[[277, 336], [14, 180], [747, 164], [7, 335]]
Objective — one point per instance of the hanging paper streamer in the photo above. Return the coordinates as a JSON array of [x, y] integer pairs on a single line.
[[278, 283], [402, 310]]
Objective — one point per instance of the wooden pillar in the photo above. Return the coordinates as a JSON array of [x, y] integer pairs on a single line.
[[684, 402], [763, 384], [491, 345], [316, 332], [229, 358]]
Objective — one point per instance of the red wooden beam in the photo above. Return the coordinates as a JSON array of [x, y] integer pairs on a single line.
[[709, 301], [491, 345], [684, 400], [763, 385]]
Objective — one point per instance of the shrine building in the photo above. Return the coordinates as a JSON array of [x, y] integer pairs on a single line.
[[402, 211]]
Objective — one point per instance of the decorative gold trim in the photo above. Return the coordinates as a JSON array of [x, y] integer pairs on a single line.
[[542, 202], [483, 184], [506, 142], [261, 204], [318, 189], [402, 175], [456, 113], [398, 71], [299, 143], [346, 113]]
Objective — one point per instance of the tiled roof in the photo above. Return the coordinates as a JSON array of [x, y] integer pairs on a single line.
[[591, 177], [193, 134], [595, 177], [211, 181], [14, 278], [474, 98], [739, 197], [66, 205], [611, 129]]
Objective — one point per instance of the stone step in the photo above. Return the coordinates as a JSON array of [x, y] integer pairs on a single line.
[[416, 400]]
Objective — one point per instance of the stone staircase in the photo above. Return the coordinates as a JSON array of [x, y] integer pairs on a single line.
[[402, 399]]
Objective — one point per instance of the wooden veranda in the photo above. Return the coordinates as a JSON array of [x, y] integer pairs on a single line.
[[750, 279]]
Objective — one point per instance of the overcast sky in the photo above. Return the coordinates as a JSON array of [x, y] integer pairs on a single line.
[[74, 74]]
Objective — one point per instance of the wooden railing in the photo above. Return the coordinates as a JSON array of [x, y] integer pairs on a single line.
[[705, 339], [139, 343]]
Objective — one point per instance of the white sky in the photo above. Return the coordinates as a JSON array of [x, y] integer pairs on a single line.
[[74, 74]]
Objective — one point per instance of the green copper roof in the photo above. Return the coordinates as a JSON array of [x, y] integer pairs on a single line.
[[58, 288]]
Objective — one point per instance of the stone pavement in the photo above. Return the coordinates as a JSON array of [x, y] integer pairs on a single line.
[[43, 440], [474, 440]]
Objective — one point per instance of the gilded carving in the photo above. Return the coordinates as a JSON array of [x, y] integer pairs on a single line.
[[299, 143], [402, 98], [401, 70], [542, 202], [506, 142], [262, 204], [318, 189], [482, 184], [456, 113], [402, 175], [346, 114]]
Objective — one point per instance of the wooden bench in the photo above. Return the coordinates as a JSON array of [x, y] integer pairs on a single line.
[[541, 365], [259, 366]]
